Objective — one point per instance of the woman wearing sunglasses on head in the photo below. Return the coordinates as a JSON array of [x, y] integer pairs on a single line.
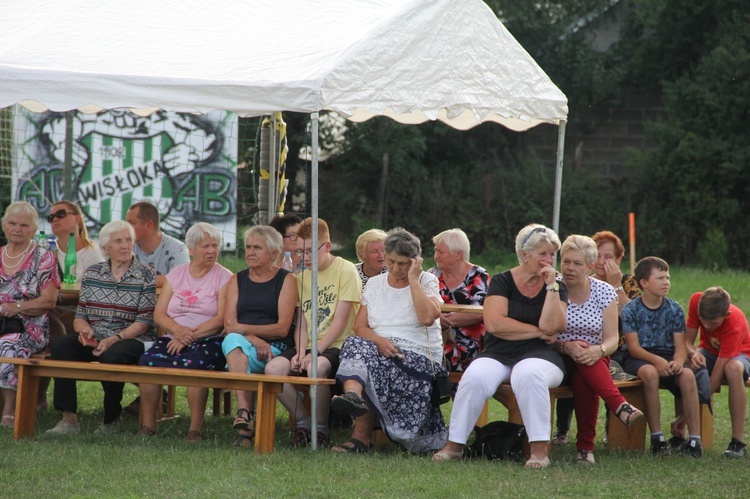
[[66, 218]]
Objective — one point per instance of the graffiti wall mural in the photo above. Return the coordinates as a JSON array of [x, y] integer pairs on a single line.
[[185, 164]]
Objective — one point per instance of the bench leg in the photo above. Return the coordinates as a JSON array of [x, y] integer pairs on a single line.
[[265, 420], [707, 427], [484, 415], [26, 398], [620, 437]]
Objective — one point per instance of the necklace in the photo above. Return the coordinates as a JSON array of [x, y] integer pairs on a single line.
[[20, 261]]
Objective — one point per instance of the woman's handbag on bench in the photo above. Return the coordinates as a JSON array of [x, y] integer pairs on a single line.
[[11, 325], [442, 388]]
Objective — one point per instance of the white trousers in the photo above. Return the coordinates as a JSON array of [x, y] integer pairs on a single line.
[[530, 379]]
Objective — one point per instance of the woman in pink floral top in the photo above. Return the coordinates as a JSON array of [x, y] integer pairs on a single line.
[[29, 285], [461, 283], [190, 311]]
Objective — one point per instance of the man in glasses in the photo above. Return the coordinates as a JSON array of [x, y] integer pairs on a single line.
[[160, 251], [338, 295], [287, 225]]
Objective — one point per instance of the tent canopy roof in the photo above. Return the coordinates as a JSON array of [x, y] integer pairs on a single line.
[[411, 60]]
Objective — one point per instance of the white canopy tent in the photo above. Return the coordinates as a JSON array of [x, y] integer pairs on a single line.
[[410, 60]]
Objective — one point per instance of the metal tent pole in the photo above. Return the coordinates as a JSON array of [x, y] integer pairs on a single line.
[[314, 282], [558, 176]]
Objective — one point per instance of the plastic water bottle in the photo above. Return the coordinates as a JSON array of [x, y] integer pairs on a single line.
[[70, 261], [52, 243], [287, 263], [42, 240]]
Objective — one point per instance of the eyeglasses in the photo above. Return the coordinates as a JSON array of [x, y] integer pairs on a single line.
[[58, 214], [528, 236], [292, 237], [308, 252]]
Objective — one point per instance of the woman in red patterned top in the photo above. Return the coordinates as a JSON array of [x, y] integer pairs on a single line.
[[461, 283]]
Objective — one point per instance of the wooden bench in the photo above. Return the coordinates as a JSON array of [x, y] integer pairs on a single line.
[[619, 437], [707, 422], [29, 372]]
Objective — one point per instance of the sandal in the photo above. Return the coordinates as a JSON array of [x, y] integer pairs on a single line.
[[560, 438], [244, 422], [628, 414], [585, 457], [352, 446], [243, 440], [8, 421], [536, 463], [194, 436], [447, 455], [146, 431], [349, 404]]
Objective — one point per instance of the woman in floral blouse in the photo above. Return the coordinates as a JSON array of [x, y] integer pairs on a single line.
[[462, 283]]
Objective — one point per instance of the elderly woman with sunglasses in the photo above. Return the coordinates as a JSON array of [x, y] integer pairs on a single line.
[[66, 218], [523, 313]]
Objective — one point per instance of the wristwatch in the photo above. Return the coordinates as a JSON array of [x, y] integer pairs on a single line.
[[604, 350], [554, 287]]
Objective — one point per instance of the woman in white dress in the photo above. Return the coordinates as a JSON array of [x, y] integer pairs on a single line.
[[388, 367]]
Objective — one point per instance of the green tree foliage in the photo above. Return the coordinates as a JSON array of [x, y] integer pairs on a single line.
[[693, 186], [690, 192]]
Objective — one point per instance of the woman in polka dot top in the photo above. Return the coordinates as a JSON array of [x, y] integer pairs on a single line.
[[589, 338]]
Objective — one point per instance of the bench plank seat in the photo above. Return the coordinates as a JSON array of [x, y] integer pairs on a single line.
[[30, 370]]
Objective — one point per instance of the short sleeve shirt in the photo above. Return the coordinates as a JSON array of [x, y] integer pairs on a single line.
[[339, 282], [726, 341], [655, 328], [523, 309], [584, 321], [170, 254], [195, 300], [111, 305]]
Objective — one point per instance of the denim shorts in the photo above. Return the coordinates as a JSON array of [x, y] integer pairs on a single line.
[[741, 358]]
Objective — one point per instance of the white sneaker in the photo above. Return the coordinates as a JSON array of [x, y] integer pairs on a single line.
[[112, 427], [65, 428]]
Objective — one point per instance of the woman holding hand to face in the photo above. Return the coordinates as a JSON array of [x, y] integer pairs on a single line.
[[523, 313]]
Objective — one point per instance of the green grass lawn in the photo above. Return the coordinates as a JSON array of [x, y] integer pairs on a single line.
[[165, 466]]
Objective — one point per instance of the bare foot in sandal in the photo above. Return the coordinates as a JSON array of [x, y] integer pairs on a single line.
[[628, 414], [450, 452], [537, 463]]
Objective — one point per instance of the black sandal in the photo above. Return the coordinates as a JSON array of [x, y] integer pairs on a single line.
[[246, 422], [356, 447], [628, 414], [349, 404]]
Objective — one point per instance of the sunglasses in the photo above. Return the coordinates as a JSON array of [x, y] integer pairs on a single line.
[[58, 214], [528, 236]]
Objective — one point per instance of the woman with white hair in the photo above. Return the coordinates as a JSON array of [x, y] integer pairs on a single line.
[[461, 283], [190, 310], [590, 337], [387, 369], [371, 255], [523, 312], [29, 285], [258, 318], [113, 321]]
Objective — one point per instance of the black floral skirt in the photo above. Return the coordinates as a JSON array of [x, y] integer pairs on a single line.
[[203, 354], [398, 391]]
